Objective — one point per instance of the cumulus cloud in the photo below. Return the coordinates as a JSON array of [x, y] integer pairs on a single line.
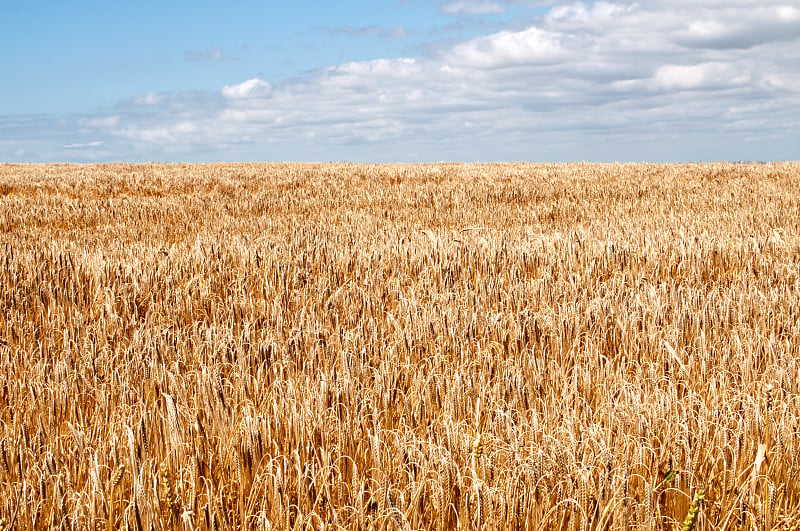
[[507, 48], [603, 80], [252, 88]]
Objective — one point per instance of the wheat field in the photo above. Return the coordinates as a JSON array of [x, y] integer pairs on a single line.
[[443, 346]]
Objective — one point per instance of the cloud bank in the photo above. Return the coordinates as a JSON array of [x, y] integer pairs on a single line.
[[656, 80]]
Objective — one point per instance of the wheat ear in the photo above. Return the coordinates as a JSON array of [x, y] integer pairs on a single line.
[[694, 511]]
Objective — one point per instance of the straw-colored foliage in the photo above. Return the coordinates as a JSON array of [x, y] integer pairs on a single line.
[[287, 346]]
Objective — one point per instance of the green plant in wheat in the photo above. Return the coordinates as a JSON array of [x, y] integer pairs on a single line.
[[694, 511]]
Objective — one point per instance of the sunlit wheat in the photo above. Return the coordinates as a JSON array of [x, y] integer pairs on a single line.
[[340, 346]]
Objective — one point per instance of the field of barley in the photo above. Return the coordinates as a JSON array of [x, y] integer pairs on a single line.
[[444, 346]]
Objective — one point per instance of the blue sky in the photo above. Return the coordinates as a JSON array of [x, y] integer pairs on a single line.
[[394, 80]]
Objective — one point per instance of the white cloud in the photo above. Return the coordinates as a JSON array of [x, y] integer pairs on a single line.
[[701, 76], [474, 7], [742, 27], [151, 98], [788, 14], [507, 48], [211, 54], [252, 88], [604, 80], [397, 32], [96, 143], [100, 122]]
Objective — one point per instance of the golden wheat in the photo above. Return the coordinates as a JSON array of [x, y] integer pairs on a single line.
[[292, 346]]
